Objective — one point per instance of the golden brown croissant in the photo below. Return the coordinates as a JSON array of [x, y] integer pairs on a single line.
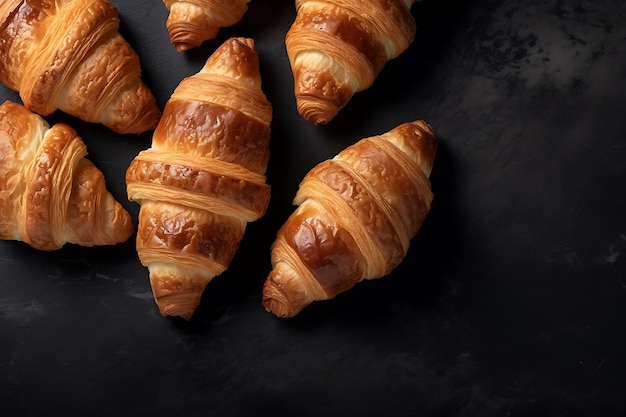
[[356, 215], [203, 178], [192, 22], [69, 55], [49, 193], [338, 47]]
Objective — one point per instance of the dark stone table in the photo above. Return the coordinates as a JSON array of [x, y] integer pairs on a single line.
[[510, 301]]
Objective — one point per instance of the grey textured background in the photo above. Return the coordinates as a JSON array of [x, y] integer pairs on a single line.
[[510, 302]]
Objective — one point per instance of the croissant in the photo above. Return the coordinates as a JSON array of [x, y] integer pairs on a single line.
[[338, 47], [355, 218], [50, 194], [69, 55], [203, 178], [192, 22]]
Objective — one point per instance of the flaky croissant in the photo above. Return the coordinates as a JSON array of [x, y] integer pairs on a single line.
[[355, 218], [338, 47], [192, 22], [69, 55], [50, 194], [203, 179]]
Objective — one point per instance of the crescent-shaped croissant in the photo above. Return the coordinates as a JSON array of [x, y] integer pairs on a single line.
[[192, 22], [338, 47], [69, 55], [355, 218], [203, 179], [50, 194]]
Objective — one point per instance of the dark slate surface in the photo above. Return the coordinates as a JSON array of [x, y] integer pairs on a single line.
[[511, 301]]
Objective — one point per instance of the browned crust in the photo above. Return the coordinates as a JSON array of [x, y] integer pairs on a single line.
[[197, 238], [326, 248], [366, 210], [188, 126], [177, 179]]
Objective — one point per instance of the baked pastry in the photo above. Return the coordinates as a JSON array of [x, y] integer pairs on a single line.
[[355, 218], [69, 55], [50, 194], [338, 47], [203, 178], [192, 22]]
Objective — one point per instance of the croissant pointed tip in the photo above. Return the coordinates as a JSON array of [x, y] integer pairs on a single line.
[[173, 310], [178, 305], [122, 224], [133, 113], [192, 23], [277, 307], [278, 301], [183, 47], [177, 294], [317, 119], [316, 109], [248, 42]]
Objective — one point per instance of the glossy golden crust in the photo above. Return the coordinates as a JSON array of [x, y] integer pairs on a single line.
[[50, 194], [186, 237], [338, 47], [70, 56], [192, 22], [203, 178], [223, 188], [355, 218], [314, 257], [189, 127]]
